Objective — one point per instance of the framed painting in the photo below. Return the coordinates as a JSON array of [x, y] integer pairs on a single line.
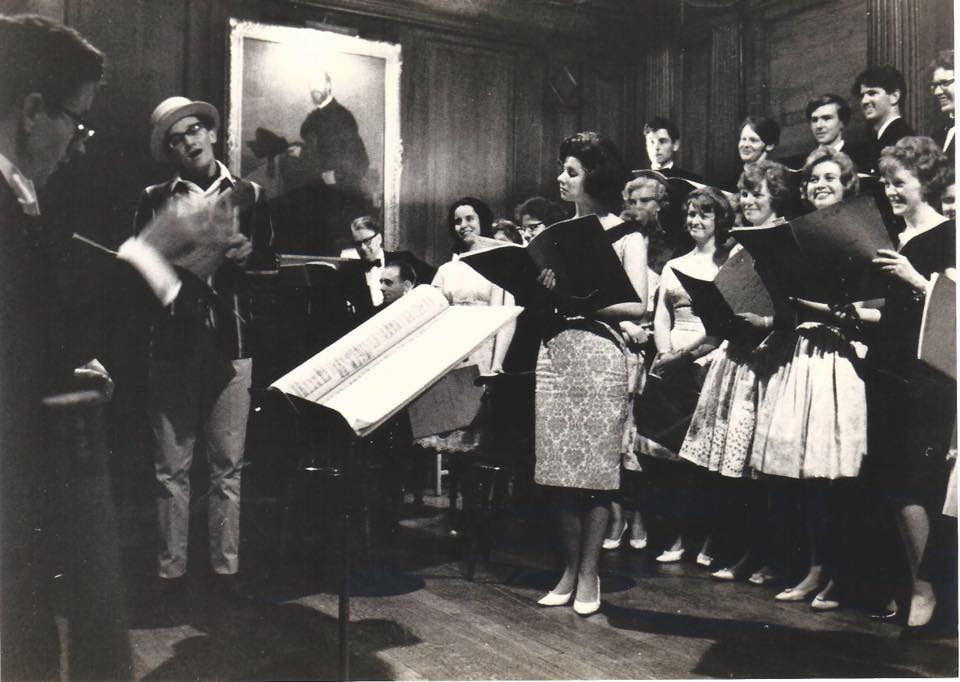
[[314, 117]]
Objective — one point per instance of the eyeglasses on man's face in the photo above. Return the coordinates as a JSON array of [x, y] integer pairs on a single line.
[[942, 84], [367, 241], [175, 140], [81, 130]]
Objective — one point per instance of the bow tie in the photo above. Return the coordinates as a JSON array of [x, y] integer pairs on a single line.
[[368, 266]]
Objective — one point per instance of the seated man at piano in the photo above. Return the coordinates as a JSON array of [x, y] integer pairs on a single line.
[[397, 278], [367, 236]]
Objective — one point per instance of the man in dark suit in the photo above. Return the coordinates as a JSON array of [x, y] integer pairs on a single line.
[[941, 87], [828, 116], [368, 240], [202, 391], [48, 83], [880, 89], [663, 143]]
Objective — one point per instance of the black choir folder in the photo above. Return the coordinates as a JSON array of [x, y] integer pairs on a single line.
[[824, 256], [737, 288], [577, 250], [371, 373], [937, 348]]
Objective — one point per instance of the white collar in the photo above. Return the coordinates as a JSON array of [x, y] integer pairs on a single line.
[[214, 187], [325, 102], [21, 185], [886, 125], [657, 167]]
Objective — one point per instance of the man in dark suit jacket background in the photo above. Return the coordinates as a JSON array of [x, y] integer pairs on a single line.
[[202, 391], [941, 87], [663, 144], [48, 83], [880, 89], [367, 236]]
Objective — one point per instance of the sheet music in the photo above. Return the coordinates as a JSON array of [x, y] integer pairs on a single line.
[[383, 387], [337, 363]]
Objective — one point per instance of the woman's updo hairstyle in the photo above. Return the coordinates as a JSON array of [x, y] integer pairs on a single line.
[[605, 172]]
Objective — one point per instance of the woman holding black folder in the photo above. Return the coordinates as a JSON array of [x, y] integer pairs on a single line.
[[811, 420], [721, 430], [913, 412], [582, 377]]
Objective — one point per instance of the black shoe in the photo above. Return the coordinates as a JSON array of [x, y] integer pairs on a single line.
[[227, 586]]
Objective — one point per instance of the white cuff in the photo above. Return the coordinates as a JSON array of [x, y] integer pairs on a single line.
[[158, 273]]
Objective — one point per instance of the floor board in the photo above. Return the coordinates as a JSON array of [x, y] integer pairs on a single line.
[[414, 616]]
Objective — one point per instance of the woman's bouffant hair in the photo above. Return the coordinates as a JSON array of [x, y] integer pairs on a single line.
[[710, 199], [923, 158], [644, 178], [848, 170], [604, 170], [777, 183], [546, 211], [483, 213]]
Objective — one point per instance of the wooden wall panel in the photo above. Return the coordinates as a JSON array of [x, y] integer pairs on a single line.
[[809, 53], [695, 124], [725, 102], [908, 34]]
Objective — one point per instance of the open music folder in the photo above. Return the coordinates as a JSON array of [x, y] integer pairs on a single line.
[[371, 373], [937, 346], [577, 250], [823, 256], [736, 289]]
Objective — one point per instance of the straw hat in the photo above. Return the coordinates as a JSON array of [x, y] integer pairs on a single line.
[[171, 110]]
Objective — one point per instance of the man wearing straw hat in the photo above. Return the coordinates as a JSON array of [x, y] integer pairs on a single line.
[[187, 402]]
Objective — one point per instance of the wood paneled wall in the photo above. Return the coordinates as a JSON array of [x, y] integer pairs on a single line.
[[490, 88], [488, 92]]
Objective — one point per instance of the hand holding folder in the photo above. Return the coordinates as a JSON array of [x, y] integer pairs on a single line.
[[578, 252]]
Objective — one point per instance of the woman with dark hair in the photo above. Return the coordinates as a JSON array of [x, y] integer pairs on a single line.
[[469, 221], [721, 430], [911, 426], [811, 421], [582, 378], [681, 340]]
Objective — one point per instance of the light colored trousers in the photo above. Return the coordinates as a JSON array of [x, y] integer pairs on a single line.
[[181, 410]]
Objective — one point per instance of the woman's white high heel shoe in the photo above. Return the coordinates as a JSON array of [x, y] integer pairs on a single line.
[[588, 608], [551, 598]]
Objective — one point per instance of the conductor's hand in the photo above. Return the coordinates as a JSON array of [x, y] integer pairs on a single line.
[[94, 376], [241, 253], [547, 278], [195, 236]]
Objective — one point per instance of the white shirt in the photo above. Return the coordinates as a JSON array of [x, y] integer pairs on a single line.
[[21, 185], [657, 167]]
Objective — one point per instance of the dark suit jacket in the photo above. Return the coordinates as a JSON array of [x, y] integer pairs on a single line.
[[897, 130], [59, 302], [941, 136], [229, 305], [358, 293]]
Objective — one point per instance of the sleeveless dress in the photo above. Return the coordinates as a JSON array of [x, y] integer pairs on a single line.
[[720, 436], [582, 390], [685, 328]]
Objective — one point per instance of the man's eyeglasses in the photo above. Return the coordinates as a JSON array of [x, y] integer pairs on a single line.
[[177, 139], [365, 242], [944, 84], [81, 131]]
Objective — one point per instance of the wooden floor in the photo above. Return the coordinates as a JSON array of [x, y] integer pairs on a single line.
[[415, 616]]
